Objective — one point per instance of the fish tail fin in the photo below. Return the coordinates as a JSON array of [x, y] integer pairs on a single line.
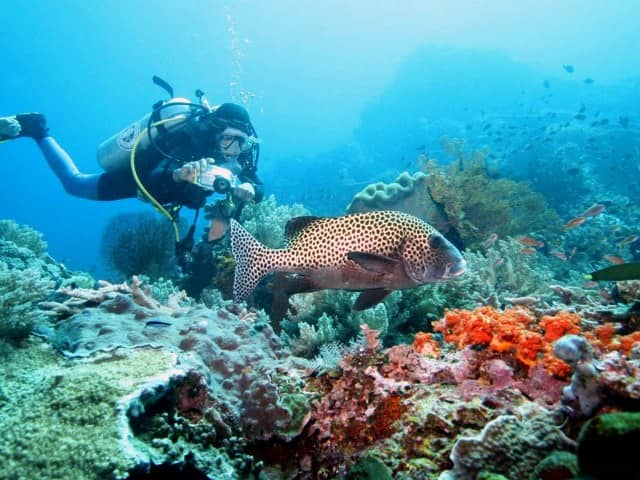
[[247, 251]]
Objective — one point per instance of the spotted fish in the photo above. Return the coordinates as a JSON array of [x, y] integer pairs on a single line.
[[372, 252]]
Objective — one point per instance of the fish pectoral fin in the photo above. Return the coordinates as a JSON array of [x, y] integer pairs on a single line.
[[373, 262], [369, 298]]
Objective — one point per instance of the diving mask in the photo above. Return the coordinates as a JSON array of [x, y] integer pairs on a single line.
[[245, 143]]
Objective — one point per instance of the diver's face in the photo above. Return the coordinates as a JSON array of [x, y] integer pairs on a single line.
[[230, 142]]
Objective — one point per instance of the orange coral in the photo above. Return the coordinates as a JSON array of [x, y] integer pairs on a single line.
[[425, 344], [604, 338], [514, 330], [560, 324]]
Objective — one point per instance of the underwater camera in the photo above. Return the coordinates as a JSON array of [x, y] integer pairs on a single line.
[[217, 179]]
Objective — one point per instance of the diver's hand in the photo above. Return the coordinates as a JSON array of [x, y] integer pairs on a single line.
[[9, 127], [190, 172], [244, 192]]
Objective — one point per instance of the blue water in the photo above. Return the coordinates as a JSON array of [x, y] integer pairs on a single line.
[[342, 93]]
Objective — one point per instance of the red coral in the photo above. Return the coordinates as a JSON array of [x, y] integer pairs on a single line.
[[352, 412], [560, 324], [191, 397]]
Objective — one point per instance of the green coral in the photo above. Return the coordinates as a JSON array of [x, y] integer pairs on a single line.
[[60, 420], [490, 476], [607, 446], [558, 465], [369, 467], [266, 220], [478, 205], [20, 290], [23, 236]]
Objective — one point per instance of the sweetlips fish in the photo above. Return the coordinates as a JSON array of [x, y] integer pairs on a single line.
[[373, 252]]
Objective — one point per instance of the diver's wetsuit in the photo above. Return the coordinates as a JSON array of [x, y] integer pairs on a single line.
[[154, 170]]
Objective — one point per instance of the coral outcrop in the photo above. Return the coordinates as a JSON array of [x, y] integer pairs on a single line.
[[407, 193], [138, 243], [62, 421]]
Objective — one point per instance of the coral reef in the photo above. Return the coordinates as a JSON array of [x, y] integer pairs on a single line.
[[23, 236], [60, 421], [516, 331], [20, 291], [142, 380], [607, 446], [584, 390], [266, 220], [510, 445], [477, 205], [138, 243], [407, 193]]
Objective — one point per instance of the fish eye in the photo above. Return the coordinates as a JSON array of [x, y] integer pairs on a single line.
[[435, 241]]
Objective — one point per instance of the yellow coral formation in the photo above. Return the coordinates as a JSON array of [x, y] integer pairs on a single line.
[[477, 205]]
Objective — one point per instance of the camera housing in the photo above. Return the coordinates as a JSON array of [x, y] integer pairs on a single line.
[[217, 179]]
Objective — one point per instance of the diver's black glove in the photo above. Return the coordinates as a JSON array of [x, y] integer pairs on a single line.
[[32, 125]]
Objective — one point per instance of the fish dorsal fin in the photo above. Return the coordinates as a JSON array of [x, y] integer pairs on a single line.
[[369, 298], [373, 262], [295, 226]]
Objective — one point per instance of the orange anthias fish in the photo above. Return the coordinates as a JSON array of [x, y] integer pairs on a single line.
[[594, 210], [628, 240], [530, 242], [575, 222], [613, 259], [490, 241], [559, 254]]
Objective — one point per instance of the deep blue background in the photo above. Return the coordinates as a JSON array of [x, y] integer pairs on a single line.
[[315, 73]]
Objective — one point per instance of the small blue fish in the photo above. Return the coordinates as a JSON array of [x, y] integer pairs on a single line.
[[568, 68], [588, 80], [157, 323]]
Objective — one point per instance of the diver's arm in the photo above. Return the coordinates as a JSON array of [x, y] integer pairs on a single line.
[[168, 185]]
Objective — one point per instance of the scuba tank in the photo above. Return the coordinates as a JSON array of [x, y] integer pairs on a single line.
[[114, 153]]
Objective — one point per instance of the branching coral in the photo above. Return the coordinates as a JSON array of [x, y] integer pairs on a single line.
[[20, 290], [23, 236], [266, 220]]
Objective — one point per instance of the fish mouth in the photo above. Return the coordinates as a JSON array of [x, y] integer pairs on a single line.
[[455, 269]]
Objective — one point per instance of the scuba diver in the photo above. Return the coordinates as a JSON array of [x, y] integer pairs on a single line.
[[177, 155]]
